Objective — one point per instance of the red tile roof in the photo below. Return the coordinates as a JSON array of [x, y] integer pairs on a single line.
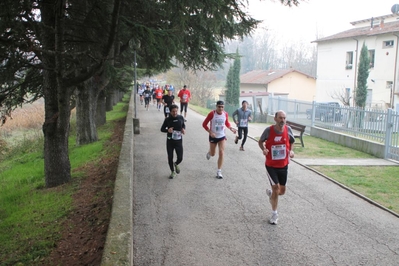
[[266, 76], [389, 27]]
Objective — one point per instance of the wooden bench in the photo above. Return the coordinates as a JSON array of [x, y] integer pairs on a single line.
[[298, 130]]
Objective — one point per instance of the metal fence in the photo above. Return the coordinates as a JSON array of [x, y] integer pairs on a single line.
[[376, 125]]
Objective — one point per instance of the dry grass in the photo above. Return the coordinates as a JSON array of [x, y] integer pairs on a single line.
[[26, 122]]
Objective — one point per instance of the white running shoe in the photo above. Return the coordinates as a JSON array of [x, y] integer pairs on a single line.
[[208, 156], [274, 218], [219, 174], [269, 194]]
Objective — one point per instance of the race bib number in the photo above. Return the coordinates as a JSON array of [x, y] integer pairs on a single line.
[[279, 152], [176, 135], [167, 110], [243, 122], [219, 125]]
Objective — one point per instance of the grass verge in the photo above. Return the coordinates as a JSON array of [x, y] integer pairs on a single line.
[[379, 183], [31, 216]]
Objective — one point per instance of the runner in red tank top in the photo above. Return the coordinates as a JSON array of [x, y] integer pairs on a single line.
[[276, 144]]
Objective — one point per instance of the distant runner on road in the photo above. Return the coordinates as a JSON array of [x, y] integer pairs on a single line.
[[276, 144], [167, 101], [147, 97], [185, 96], [241, 117], [158, 97]]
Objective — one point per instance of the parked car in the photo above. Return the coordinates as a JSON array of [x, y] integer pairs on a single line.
[[326, 112]]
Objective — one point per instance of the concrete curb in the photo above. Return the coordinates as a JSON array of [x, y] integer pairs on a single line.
[[118, 249]]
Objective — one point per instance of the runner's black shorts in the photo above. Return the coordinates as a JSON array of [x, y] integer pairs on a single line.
[[216, 140], [277, 175]]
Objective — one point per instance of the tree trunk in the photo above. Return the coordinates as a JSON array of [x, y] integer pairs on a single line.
[[86, 108], [57, 167], [87, 104], [101, 118], [115, 97], [108, 101]]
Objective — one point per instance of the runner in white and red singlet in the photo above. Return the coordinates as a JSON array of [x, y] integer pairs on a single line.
[[219, 121]]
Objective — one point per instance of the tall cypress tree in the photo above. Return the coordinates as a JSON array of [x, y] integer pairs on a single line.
[[233, 82], [229, 85], [236, 79], [362, 76]]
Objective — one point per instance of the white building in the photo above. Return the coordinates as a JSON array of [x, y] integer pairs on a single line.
[[338, 58]]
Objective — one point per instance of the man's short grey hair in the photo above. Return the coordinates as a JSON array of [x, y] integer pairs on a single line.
[[279, 111]]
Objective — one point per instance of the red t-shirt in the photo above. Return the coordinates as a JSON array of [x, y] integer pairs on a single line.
[[184, 95], [158, 93]]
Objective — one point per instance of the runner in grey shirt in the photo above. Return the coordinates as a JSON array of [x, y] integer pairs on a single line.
[[241, 117]]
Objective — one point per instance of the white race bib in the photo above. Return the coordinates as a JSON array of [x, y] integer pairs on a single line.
[[219, 125], [243, 122], [279, 152], [176, 135], [167, 110]]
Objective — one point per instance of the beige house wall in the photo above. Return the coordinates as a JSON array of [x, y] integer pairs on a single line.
[[297, 85], [246, 88]]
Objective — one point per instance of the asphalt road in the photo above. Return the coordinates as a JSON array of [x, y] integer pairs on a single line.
[[196, 219]]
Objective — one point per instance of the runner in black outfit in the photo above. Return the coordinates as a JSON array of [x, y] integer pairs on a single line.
[[174, 126], [167, 101], [147, 97]]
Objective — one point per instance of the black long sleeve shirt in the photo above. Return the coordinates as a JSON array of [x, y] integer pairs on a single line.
[[176, 122]]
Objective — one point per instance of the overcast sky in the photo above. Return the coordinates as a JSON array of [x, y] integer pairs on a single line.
[[315, 17]]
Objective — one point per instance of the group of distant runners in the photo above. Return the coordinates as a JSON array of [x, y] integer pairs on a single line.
[[276, 141], [163, 97]]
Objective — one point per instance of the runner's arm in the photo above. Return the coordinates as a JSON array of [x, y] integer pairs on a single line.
[[206, 121], [262, 139], [235, 113], [228, 125], [164, 127]]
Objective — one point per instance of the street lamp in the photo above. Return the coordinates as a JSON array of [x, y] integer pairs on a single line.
[[136, 122], [135, 84]]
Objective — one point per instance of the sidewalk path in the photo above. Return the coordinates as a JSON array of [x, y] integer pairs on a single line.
[[196, 219]]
